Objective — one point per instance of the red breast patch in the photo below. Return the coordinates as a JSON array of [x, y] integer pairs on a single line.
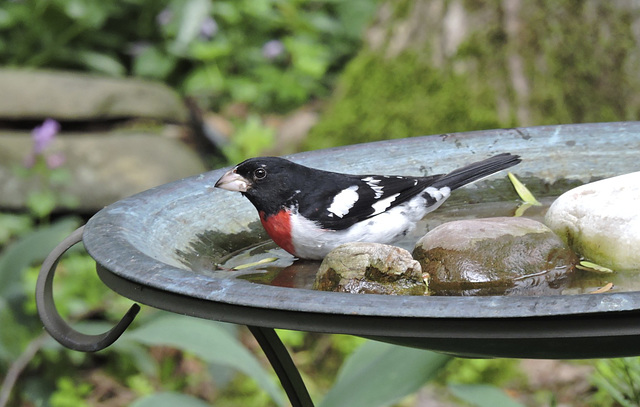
[[278, 227]]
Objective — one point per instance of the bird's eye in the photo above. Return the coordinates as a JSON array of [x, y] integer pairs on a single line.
[[260, 173]]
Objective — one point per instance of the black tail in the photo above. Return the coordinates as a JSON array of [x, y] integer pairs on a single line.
[[478, 170]]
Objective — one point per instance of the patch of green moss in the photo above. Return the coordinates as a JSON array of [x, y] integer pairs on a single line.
[[381, 99], [578, 55], [578, 62]]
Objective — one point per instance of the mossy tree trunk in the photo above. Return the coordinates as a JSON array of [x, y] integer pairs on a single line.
[[434, 66]]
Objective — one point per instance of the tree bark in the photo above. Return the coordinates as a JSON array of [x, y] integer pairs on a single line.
[[513, 62]]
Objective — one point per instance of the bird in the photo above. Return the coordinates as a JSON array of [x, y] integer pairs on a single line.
[[308, 211]]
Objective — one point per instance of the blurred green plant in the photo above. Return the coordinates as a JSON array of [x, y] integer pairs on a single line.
[[382, 99], [269, 54], [43, 171], [250, 140], [617, 382]]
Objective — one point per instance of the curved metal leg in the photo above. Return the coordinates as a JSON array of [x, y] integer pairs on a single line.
[[53, 322], [283, 365]]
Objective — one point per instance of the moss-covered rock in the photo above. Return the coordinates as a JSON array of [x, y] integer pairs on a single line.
[[389, 99]]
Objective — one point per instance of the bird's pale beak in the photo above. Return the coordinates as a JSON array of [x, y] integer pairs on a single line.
[[231, 181]]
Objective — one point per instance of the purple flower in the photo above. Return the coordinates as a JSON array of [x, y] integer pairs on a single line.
[[43, 135], [209, 28], [272, 49]]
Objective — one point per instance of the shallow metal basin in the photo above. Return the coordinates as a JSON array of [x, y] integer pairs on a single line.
[[136, 240]]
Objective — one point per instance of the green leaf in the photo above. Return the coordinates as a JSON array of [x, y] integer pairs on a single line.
[[379, 374], [204, 79], [101, 63], [256, 263], [169, 399], [32, 248], [589, 266], [12, 225], [309, 57], [41, 203], [208, 341], [483, 395], [14, 334], [523, 191], [194, 13], [250, 140], [153, 63], [521, 209]]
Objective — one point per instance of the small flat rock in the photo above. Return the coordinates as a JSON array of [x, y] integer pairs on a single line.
[[601, 221], [104, 167], [370, 268], [36, 95], [493, 256]]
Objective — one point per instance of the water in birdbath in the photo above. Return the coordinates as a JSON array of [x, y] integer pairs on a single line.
[[252, 256]]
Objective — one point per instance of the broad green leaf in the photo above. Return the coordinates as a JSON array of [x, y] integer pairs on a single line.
[[31, 248], [41, 203], [100, 62], [523, 191], [483, 395], [194, 12], [153, 63], [208, 341], [12, 225], [14, 334], [169, 399], [379, 374]]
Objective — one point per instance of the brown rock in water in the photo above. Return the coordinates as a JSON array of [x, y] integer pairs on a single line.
[[494, 256], [370, 268]]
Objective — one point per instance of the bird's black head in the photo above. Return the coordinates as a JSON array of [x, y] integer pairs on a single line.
[[268, 182]]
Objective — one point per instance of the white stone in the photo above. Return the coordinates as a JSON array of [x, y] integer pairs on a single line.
[[601, 221]]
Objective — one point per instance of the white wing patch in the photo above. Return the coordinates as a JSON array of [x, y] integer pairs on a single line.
[[383, 204], [373, 184], [343, 202], [439, 194]]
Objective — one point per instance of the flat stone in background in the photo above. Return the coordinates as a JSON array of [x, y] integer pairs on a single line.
[[36, 95], [104, 167]]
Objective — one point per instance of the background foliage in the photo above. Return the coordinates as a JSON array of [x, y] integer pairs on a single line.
[[272, 56]]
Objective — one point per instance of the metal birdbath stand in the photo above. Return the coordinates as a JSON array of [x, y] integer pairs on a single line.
[[136, 244]]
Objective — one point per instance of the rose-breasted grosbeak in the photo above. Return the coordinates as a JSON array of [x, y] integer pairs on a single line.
[[308, 212]]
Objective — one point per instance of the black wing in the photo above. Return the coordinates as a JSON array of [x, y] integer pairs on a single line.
[[352, 199], [345, 200]]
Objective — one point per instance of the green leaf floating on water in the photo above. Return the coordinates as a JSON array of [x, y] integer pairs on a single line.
[[256, 263], [589, 266], [523, 191], [522, 208]]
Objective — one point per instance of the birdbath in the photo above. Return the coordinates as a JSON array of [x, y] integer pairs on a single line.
[[139, 245]]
